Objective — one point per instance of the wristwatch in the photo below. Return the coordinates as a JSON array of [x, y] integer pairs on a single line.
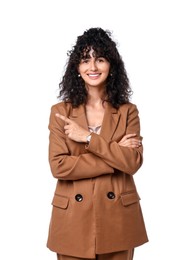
[[88, 138]]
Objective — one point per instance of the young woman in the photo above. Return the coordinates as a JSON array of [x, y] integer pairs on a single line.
[[95, 148]]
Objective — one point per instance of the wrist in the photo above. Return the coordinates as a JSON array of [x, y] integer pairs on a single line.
[[88, 138]]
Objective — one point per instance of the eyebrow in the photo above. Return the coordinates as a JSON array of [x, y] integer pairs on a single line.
[[87, 56]]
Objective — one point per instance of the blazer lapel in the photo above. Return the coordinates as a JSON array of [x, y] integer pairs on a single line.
[[79, 116], [110, 122]]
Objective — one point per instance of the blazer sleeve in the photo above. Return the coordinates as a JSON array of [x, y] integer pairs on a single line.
[[124, 159], [65, 166]]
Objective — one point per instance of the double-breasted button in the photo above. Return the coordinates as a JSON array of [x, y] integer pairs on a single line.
[[79, 197], [111, 195]]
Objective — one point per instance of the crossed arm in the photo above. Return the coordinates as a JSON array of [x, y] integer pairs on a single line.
[[79, 134], [102, 157]]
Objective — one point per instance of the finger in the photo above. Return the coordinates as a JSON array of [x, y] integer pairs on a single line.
[[136, 142], [130, 146], [64, 118], [130, 135], [67, 132], [130, 143], [60, 116], [66, 128]]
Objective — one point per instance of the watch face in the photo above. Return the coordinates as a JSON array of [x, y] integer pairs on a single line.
[[88, 138]]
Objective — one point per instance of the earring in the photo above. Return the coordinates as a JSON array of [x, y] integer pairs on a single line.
[[79, 75], [111, 74]]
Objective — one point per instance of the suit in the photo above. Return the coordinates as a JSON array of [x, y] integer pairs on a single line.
[[96, 207]]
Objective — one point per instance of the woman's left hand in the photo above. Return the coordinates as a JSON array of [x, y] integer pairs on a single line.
[[129, 140], [73, 130]]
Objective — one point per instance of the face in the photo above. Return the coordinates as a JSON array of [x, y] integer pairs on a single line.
[[94, 70]]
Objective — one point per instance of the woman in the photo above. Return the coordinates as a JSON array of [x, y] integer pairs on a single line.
[[95, 148]]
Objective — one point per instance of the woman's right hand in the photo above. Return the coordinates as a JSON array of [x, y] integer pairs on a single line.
[[129, 141]]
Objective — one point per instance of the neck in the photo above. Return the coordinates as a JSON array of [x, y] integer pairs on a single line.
[[95, 95]]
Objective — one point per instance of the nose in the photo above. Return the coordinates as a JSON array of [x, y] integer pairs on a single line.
[[93, 66]]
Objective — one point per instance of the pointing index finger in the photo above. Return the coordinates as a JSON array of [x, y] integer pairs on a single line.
[[64, 118]]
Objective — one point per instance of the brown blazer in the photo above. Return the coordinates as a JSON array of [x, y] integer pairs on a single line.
[[96, 206]]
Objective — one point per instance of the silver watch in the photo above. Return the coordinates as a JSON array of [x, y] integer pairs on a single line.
[[88, 138]]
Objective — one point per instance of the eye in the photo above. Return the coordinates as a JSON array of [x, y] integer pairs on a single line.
[[84, 61], [101, 59]]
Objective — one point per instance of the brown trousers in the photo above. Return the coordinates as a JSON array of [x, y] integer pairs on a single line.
[[122, 255]]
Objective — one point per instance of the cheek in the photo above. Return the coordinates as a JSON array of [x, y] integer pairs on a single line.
[[80, 68], [107, 68]]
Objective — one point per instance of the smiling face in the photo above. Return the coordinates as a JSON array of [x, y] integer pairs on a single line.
[[94, 70]]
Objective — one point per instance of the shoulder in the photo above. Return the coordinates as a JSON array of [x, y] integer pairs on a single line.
[[61, 107], [129, 107]]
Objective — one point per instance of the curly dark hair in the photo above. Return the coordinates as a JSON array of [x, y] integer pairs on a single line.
[[72, 88]]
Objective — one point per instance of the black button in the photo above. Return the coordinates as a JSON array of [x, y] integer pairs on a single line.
[[79, 197], [111, 195]]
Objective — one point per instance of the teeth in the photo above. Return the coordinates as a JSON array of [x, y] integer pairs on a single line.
[[93, 75]]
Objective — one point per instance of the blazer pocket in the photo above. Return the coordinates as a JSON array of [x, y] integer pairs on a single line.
[[129, 198], [60, 201]]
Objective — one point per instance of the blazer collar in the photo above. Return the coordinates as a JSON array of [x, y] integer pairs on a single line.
[[109, 124], [79, 116]]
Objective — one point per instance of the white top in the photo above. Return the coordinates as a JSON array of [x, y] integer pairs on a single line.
[[95, 129]]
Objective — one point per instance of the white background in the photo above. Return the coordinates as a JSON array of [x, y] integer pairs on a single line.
[[153, 39]]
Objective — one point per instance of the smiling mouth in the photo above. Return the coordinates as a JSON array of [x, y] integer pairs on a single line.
[[94, 75]]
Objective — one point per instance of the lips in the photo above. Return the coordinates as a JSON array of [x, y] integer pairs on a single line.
[[94, 76]]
